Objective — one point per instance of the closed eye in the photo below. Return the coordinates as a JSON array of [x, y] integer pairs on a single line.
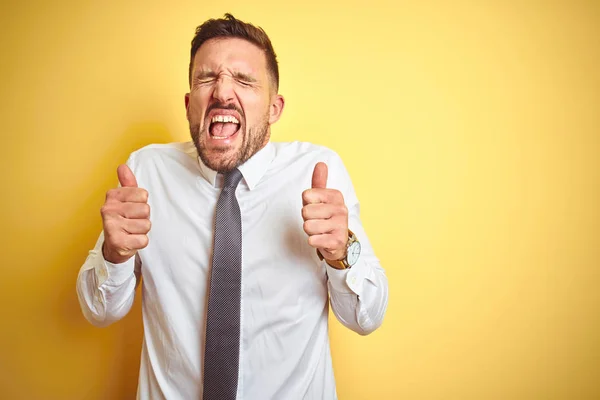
[[244, 83], [204, 77], [205, 81], [244, 79]]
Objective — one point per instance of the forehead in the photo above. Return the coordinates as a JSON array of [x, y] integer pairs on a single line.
[[230, 53]]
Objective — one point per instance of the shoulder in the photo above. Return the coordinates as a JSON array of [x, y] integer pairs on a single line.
[[158, 163], [153, 153], [310, 152], [298, 159]]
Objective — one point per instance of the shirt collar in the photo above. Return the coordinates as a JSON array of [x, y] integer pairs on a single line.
[[252, 170]]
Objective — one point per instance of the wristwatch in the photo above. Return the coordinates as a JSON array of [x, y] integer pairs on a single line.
[[352, 254]]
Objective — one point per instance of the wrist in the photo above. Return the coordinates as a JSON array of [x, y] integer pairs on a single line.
[[336, 263], [349, 256], [337, 256], [112, 256]]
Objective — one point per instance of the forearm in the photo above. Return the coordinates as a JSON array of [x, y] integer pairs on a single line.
[[105, 291], [359, 296]]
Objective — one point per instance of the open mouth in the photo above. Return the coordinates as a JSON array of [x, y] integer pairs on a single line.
[[223, 127]]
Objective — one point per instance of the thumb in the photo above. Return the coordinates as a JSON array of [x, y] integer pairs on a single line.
[[319, 178], [126, 177]]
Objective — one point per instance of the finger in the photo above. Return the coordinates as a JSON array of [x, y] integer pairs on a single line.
[[314, 196], [322, 211], [127, 210], [135, 242], [326, 241], [126, 177], [136, 226], [128, 194], [321, 226], [132, 210], [124, 244], [117, 228], [319, 178]]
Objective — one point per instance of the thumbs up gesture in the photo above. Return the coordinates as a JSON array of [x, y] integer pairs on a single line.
[[325, 216], [125, 218]]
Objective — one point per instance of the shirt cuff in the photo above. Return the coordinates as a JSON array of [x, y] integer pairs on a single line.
[[349, 280], [109, 273]]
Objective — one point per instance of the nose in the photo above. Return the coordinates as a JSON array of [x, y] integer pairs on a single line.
[[223, 89]]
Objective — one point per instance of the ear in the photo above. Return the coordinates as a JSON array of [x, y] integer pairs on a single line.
[[187, 104], [277, 104]]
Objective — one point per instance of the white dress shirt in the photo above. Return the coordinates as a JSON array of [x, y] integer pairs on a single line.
[[284, 344]]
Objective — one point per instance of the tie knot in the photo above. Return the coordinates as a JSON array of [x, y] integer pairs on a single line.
[[232, 178]]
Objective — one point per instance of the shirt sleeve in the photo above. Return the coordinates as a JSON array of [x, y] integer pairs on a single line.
[[358, 295], [106, 290]]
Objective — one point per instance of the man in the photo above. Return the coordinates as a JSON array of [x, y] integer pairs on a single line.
[[241, 242]]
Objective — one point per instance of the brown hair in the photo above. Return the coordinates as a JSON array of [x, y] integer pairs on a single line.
[[229, 26]]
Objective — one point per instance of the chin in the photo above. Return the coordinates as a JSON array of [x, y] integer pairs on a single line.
[[224, 157], [220, 161]]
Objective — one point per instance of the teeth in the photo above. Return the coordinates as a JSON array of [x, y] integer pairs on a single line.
[[225, 118]]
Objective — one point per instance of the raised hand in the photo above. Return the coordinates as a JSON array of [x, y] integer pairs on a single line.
[[125, 218], [325, 216]]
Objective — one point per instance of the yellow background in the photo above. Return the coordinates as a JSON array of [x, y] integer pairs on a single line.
[[470, 128]]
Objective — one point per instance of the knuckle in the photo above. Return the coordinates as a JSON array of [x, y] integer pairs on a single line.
[[143, 241], [122, 252], [114, 238], [109, 209], [306, 195], [144, 194], [146, 212], [110, 227], [306, 226]]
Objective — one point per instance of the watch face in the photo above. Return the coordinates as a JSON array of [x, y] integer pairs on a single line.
[[353, 253]]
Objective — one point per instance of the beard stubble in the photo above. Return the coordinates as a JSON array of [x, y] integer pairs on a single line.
[[225, 160]]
